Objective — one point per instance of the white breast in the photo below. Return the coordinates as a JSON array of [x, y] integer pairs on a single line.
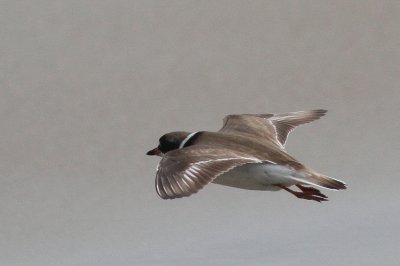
[[258, 176]]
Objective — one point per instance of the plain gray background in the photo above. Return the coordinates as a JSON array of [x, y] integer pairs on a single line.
[[87, 87]]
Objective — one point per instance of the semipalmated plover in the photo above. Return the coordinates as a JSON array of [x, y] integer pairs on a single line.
[[247, 152]]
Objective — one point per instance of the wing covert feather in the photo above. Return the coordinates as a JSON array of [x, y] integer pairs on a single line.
[[183, 172], [273, 127]]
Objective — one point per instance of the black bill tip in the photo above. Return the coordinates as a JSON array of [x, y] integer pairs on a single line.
[[155, 151]]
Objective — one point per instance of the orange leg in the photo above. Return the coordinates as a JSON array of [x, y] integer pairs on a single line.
[[307, 194], [312, 190]]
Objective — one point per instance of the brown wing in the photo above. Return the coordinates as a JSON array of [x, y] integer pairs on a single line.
[[285, 123], [273, 127], [247, 124], [183, 172]]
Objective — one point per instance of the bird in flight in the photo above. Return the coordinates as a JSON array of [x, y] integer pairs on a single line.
[[248, 152]]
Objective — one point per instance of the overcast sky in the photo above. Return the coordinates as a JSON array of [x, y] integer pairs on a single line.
[[88, 87]]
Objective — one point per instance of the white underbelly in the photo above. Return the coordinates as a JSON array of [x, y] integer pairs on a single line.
[[261, 176]]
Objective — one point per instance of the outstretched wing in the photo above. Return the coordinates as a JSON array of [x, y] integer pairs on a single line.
[[275, 127], [183, 172]]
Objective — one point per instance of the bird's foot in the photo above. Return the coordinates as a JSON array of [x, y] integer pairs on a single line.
[[307, 193]]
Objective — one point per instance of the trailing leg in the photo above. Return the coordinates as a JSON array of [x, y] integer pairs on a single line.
[[312, 190], [308, 195]]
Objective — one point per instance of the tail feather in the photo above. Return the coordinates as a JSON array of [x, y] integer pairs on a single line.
[[324, 181], [311, 177]]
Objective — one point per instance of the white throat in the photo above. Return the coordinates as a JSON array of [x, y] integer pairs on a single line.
[[186, 139]]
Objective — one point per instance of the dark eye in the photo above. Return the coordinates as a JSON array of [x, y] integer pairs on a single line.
[[168, 144]]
